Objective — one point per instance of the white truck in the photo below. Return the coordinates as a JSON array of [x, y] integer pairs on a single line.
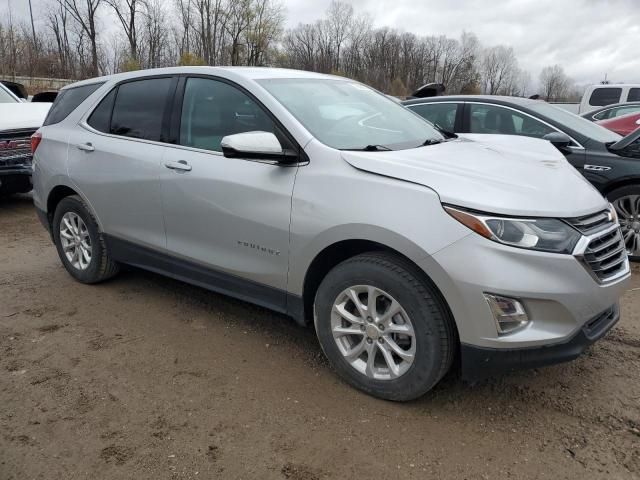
[[18, 121], [601, 95]]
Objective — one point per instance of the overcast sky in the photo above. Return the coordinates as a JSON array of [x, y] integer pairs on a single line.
[[589, 38]]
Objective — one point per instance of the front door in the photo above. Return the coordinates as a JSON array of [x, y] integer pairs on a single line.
[[484, 118], [227, 214]]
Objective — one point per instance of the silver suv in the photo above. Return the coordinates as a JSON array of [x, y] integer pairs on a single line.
[[321, 198]]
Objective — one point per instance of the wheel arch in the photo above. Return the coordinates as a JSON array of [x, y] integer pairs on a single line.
[[625, 182], [63, 190], [342, 250]]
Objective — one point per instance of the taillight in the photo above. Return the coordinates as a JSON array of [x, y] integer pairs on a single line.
[[35, 141]]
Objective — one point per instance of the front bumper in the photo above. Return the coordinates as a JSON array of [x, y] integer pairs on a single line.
[[479, 362], [559, 294]]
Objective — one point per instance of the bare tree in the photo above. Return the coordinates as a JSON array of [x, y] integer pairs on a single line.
[[84, 13], [499, 65], [128, 13], [555, 83]]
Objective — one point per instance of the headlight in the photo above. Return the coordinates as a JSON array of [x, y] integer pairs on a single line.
[[545, 234]]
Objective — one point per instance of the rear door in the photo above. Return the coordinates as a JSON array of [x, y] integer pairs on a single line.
[[115, 158], [228, 215]]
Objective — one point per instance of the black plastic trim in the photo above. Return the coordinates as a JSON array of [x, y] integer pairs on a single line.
[[149, 259], [479, 363]]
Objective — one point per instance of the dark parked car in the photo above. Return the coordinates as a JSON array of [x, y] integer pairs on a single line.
[[610, 162], [612, 111]]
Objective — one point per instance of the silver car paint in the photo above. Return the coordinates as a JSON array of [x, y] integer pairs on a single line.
[[393, 198]]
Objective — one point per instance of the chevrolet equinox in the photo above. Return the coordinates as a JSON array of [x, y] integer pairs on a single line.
[[321, 198]]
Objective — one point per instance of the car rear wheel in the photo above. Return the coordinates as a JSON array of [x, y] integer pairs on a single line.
[[79, 242], [626, 201], [384, 327]]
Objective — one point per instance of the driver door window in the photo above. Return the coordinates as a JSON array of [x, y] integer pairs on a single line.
[[212, 109], [493, 119]]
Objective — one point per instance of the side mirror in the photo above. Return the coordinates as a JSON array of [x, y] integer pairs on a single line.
[[559, 140], [256, 146]]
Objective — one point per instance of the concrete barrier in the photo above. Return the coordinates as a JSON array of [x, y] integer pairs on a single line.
[[38, 84]]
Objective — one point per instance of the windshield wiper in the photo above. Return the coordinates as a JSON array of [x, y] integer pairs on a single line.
[[445, 132], [431, 141], [370, 148]]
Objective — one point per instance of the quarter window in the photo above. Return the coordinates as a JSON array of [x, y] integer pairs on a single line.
[[139, 109], [498, 120], [100, 119], [441, 114], [605, 96], [212, 109]]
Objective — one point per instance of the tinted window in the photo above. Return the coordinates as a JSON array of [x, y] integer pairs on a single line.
[[139, 108], [498, 120], [100, 119], [212, 110], [442, 114], [634, 95], [580, 125], [67, 101], [605, 96]]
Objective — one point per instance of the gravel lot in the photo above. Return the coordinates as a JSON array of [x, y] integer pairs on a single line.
[[145, 377]]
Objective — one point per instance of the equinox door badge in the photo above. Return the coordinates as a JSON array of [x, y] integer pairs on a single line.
[[259, 248]]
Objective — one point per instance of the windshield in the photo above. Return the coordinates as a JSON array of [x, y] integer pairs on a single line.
[[6, 97], [574, 122], [350, 116]]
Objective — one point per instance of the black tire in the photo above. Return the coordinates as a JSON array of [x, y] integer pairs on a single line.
[[623, 192], [101, 267], [435, 333]]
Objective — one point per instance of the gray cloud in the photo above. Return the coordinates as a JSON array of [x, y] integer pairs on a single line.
[[589, 38]]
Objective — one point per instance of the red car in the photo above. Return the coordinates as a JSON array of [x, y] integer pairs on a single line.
[[623, 125]]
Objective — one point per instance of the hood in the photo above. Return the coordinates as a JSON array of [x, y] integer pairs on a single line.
[[501, 174], [22, 115]]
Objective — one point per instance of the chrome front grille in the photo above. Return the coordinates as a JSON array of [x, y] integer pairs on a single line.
[[590, 223], [15, 148], [606, 255]]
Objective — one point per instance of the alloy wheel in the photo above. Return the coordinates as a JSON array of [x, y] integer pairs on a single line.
[[373, 332], [75, 240], [628, 209]]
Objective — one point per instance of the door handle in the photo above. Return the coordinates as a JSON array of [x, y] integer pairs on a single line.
[[180, 165], [86, 147]]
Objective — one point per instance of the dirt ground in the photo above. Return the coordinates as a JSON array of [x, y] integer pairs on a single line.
[[146, 377]]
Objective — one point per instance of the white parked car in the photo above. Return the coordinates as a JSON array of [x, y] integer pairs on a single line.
[[597, 96], [18, 121]]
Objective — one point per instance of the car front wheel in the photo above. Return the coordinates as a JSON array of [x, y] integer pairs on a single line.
[[384, 327]]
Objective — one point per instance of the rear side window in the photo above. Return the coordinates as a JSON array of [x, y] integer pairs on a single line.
[[138, 109], [441, 114], [605, 96], [100, 119], [634, 95], [67, 101]]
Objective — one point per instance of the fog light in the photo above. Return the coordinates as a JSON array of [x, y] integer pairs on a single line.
[[508, 313]]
